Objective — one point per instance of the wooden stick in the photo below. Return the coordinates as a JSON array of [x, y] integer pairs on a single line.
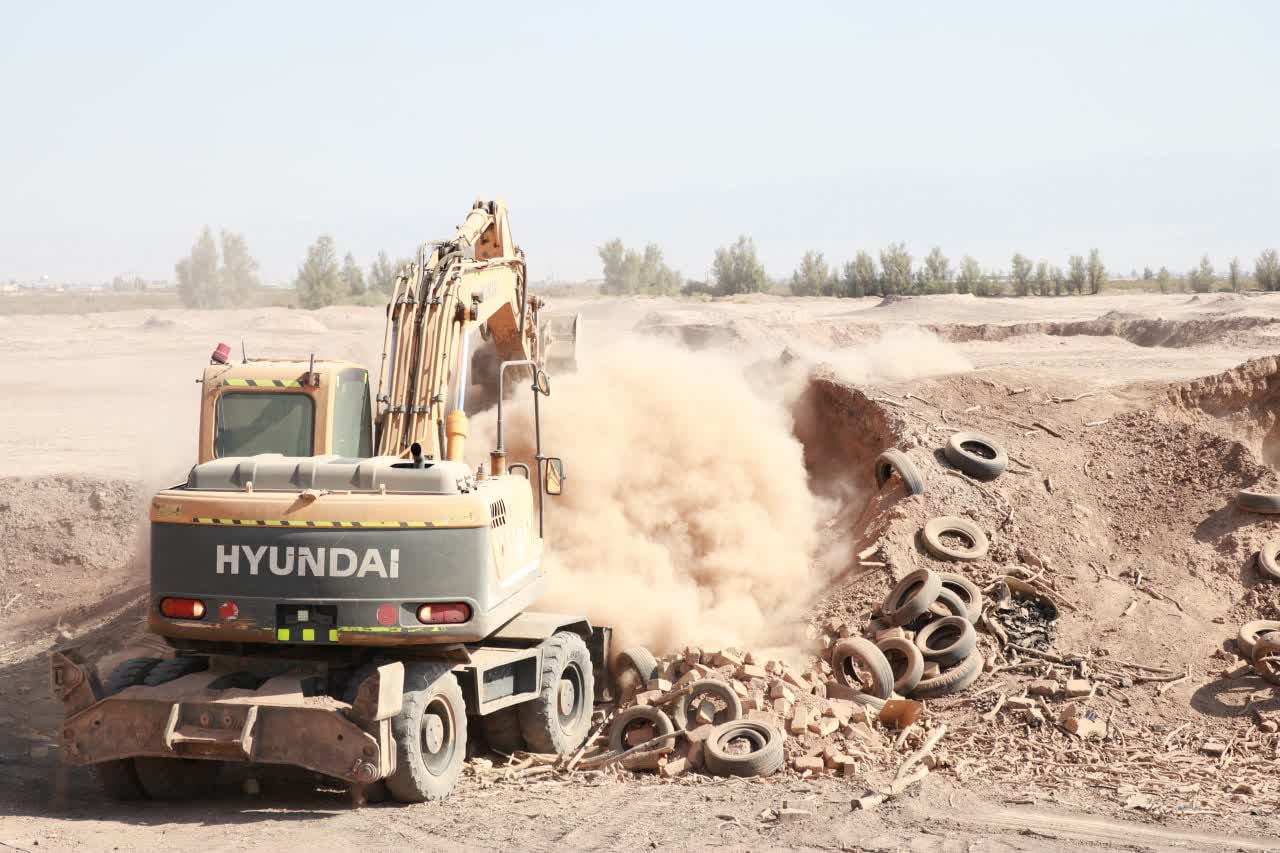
[[927, 747]]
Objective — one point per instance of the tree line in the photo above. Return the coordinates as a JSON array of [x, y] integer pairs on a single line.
[[737, 269], [222, 274]]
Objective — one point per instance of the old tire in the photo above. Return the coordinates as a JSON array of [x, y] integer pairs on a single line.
[[501, 730], [430, 734], [859, 665], [894, 460], [119, 778], [976, 454], [1264, 658], [634, 667], [1267, 566], [1253, 501], [948, 603], [1247, 639], [911, 598], [637, 715], [948, 640], [936, 528], [967, 591], [559, 718], [764, 759], [905, 661], [686, 707], [954, 680]]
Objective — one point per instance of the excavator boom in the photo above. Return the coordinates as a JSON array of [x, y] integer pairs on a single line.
[[474, 281]]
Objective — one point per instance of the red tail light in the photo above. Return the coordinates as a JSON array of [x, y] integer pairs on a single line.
[[443, 614], [182, 608]]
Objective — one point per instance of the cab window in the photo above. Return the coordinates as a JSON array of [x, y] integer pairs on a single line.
[[251, 422], [353, 416]]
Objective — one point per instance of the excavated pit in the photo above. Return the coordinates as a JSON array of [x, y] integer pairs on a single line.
[[1242, 403], [1152, 332]]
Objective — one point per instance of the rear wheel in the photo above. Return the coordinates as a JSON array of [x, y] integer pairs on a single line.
[[430, 734], [558, 719], [175, 778], [119, 778]]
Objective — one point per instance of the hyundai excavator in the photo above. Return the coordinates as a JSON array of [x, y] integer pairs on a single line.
[[341, 591]]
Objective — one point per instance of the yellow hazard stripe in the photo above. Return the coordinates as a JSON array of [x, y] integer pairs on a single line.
[[264, 383], [272, 522]]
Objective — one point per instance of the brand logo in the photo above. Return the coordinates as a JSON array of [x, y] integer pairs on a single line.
[[300, 561]]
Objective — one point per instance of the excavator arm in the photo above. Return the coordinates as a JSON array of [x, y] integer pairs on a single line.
[[473, 283]]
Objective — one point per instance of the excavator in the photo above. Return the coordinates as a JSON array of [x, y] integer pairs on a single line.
[[340, 590]]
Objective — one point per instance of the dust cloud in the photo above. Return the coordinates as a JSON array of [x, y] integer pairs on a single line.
[[687, 516]]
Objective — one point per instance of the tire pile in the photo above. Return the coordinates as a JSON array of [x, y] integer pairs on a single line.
[[727, 713], [730, 714]]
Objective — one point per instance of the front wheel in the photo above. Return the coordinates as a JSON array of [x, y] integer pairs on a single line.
[[558, 719], [430, 734]]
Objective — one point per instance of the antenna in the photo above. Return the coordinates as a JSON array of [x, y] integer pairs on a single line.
[[244, 357]]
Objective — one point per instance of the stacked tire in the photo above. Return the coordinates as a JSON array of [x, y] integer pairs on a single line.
[[926, 636]]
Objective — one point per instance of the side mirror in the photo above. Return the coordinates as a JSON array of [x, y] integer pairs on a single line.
[[541, 383], [553, 478]]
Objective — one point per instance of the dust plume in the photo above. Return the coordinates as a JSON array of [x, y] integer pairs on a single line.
[[687, 516]]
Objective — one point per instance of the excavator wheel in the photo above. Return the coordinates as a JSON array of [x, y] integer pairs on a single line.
[[559, 718], [175, 779], [430, 734], [119, 778]]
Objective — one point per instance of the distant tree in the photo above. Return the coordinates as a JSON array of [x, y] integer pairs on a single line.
[[197, 274], [1201, 278], [1147, 274], [352, 277], [382, 274], [238, 276], [1096, 272], [859, 276], [991, 284], [736, 268], [813, 276], [1163, 280], [895, 266], [613, 258], [1021, 274], [319, 281], [969, 276], [1077, 274], [1059, 281], [655, 276], [208, 278], [1266, 269], [1234, 277], [628, 271], [936, 272], [1041, 281]]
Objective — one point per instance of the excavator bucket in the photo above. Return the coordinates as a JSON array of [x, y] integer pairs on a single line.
[[559, 337]]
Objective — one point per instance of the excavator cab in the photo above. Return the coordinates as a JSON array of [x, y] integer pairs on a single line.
[[293, 408]]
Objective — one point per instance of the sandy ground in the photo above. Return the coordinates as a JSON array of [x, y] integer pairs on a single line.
[[100, 409]]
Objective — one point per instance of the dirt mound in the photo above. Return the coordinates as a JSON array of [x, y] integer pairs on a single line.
[[69, 543], [1154, 332], [1244, 402], [892, 299]]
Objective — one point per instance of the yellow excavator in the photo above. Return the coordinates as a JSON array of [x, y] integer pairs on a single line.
[[342, 592]]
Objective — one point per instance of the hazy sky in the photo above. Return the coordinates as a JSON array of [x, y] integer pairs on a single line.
[[1148, 129]]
